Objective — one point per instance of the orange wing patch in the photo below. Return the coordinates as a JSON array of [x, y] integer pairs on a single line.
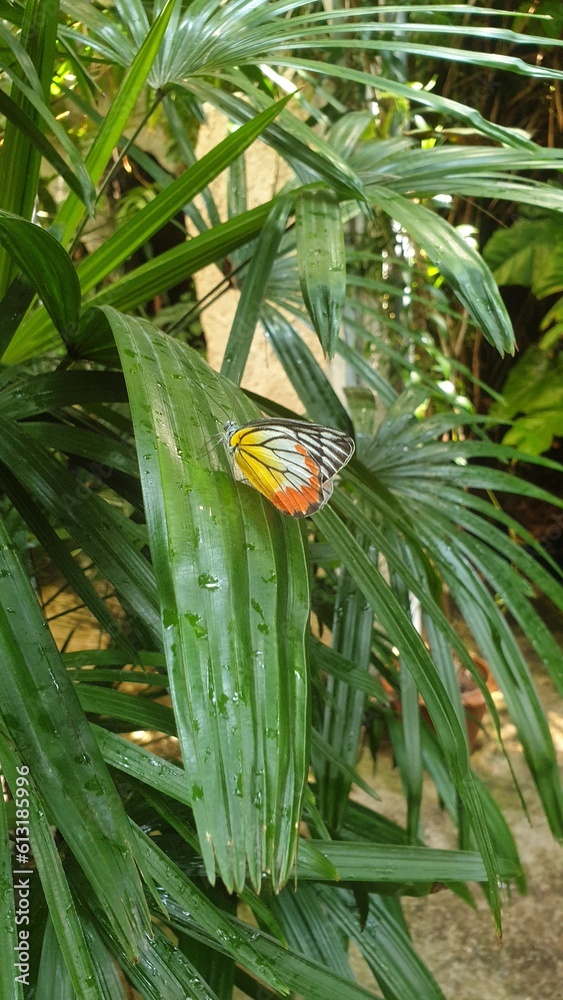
[[300, 501]]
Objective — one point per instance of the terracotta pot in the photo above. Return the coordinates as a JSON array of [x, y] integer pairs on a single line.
[[472, 699]]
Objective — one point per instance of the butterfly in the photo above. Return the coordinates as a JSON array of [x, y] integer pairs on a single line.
[[291, 462]]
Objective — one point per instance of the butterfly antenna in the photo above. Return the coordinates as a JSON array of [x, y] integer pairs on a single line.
[[229, 389], [206, 450]]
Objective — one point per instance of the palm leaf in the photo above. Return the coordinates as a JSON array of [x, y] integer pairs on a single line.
[[49, 730], [239, 688]]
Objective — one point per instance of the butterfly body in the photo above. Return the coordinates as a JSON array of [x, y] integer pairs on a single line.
[[291, 462]]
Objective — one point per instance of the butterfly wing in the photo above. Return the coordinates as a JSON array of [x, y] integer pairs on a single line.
[[290, 462]]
